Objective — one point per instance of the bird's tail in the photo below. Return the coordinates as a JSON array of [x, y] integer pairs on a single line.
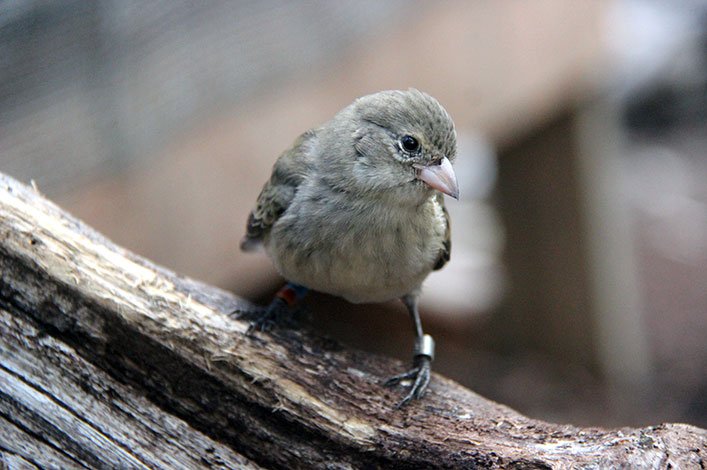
[[250, 245]]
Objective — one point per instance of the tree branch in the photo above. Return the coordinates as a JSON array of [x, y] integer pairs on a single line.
[[80, 314]]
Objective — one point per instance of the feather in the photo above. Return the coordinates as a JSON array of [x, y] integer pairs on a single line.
[[446, 251], [288, 173]]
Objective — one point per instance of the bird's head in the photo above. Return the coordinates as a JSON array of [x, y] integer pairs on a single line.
[[404, 144]]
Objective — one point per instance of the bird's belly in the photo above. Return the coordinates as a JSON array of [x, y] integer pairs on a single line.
[[355, 279], [361, 281], [359, 267]]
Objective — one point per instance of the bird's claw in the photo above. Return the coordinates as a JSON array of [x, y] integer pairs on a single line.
[[266, 318], [421, 376]]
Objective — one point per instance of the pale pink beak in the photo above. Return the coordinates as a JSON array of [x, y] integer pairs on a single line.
[[440, 177]]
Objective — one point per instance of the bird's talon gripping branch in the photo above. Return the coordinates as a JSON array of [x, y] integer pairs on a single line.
[[421, 376], [280, 311], [264, 318], [423, 355]]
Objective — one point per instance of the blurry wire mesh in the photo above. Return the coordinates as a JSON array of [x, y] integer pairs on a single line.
[[89, 87]]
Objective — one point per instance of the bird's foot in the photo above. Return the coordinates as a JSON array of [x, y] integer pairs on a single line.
[[420, 377], [420, 373], [281, 311], [264, 319]]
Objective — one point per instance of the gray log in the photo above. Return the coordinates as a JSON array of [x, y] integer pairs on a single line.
[[109, 360]]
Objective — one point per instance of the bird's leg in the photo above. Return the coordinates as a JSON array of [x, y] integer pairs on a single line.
[[279, 311], [422, 357]]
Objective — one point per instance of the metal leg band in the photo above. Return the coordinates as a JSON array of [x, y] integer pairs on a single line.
[[425, 346]]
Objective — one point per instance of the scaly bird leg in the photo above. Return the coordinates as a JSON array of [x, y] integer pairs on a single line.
[[278, 312], [423, 354]]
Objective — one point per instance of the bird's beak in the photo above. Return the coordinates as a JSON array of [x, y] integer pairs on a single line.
[[440, 177]]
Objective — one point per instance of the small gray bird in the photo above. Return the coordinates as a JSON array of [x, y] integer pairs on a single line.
[[355, 209]]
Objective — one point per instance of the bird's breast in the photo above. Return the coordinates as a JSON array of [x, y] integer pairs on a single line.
[[361, 252]]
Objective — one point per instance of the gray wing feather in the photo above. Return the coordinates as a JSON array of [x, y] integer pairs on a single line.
[[289, 171], [446, 251]]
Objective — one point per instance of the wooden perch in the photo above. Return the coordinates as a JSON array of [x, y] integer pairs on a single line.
[[111, 361]]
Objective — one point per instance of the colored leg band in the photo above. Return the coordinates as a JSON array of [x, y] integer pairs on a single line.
[[292, 293]]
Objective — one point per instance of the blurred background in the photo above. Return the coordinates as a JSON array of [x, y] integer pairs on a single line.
[[577, 290]]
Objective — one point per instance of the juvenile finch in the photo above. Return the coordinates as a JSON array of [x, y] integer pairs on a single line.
[[355, 209]]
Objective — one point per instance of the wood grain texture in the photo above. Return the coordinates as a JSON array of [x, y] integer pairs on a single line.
[[100, 347], [84, 416]]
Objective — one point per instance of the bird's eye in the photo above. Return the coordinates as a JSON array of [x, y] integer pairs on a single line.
[[409, 144]]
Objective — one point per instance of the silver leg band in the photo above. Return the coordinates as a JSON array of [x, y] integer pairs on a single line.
[[425, 346]]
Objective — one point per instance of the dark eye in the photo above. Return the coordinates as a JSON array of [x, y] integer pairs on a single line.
[[409, 144]]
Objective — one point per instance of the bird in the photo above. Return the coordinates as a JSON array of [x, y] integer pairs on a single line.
[[355, 208]]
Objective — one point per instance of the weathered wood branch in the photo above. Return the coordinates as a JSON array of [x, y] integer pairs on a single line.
[[109, 360]]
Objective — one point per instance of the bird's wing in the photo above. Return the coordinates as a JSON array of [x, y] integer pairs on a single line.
[[289, 171], [446, 250]]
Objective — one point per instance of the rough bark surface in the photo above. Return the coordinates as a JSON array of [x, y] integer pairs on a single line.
[[109, 360]]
